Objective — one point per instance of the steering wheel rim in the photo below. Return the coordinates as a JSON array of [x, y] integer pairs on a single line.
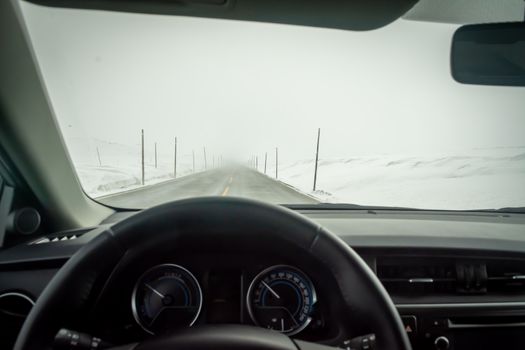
[[218, 218]]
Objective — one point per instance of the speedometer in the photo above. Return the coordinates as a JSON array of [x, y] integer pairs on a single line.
[[166, 297], [281, 298]]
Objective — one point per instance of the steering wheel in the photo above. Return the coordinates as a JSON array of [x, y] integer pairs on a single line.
[[222, 220]]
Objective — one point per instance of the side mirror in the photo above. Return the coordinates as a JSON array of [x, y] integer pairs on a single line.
[[489, 54]]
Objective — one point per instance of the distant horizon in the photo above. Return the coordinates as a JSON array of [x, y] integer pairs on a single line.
[[168, 152]]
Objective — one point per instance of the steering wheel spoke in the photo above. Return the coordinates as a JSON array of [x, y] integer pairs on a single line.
[[224, 337], [305, 345], [124, 347]]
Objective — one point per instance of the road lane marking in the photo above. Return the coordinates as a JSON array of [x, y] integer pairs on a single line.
[[226, 190]]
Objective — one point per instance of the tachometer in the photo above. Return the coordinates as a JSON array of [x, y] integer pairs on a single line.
[[281, 298], [166, 297]]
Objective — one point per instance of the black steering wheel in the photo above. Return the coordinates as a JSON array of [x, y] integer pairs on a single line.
[[223, 221]]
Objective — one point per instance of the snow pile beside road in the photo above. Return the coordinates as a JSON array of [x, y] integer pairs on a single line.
[[103, 180], [482, 179], [119, 168]]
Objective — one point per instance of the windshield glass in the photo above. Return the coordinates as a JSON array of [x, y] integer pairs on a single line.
[[157, 108]]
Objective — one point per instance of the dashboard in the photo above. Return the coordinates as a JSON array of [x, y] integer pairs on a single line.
[[163, 294], [457, 280]]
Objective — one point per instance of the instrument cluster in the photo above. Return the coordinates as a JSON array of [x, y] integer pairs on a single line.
[[169, 296]]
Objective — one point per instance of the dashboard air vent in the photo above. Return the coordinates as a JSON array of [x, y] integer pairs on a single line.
[[14, 308], [415, 276], [15, 304], [412, 276], [506, 277]]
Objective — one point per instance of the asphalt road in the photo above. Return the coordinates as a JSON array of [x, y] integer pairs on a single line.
[[238, 182]]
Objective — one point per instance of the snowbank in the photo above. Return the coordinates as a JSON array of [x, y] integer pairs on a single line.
[[487, 179], [104, 167]]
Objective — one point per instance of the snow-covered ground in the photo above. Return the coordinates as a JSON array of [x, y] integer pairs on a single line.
[[119, 168], [475, 179]]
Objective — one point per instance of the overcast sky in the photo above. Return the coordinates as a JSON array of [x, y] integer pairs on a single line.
[[246, 88]]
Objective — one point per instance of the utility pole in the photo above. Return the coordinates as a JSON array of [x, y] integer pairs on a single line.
[[193, 151], [175, 161], [99, 161], [276, 162], [317, 157], [257, 163], [155, 155], [142, 147], [205, 163], [265, 161]]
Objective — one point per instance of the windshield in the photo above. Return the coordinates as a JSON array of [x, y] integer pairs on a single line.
[[157, 108]]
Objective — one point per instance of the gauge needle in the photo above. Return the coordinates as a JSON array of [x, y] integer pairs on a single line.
[[282, 324], [271, 290], [155, 291]]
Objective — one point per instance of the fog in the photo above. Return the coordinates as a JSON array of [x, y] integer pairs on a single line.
[[245, 88]]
